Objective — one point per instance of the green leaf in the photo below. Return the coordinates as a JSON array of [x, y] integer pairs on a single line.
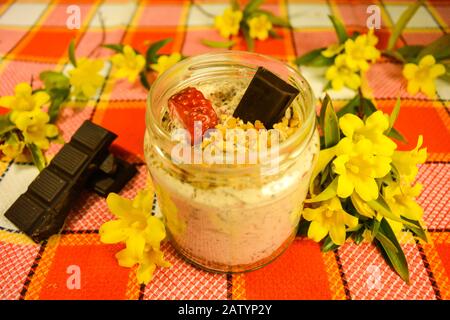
[[394, 55], [387, 242], [144, 81], [5, 124], [303, 227], [439, 49], [248, 40], [395, 134], [328, 245], [37, 155], [339, 28], [58, 97], [276, 21], [151, 56], [252, 5], [308, 57], [416, 228], [446, 75], [410, 53], [368, 107], [402, 22], [350, 107], [330, 124], [274, 34], [314, 58], [117, 47], [375, 227], [394, 114], [54, 79], [218, 44], [358, 236], [328, 193], [235, 5], [325, 157], [72, 57], [380, 205]]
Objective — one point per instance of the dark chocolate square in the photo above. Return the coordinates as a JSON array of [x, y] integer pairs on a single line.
[[24, 212], [47, 185], [69, 159], [90, 135]]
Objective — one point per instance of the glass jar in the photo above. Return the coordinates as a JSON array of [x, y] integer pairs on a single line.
[[230, 218]]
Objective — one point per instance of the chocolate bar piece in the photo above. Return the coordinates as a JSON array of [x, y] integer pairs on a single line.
[[41, 211], [266, 99]]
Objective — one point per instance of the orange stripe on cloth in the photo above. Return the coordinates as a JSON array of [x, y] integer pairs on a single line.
[[299, 273], [438, 256]]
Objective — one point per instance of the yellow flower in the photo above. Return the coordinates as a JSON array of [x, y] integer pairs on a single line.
[[12, 147], [421, 77], [372, 128], [228, 22], [401, 198], [139, 230], [332, 50], [363, 208], [259, 27], [129, 64], [24, 100], [361, 50], [340, 74], [406, 161], [85, 78], [329, 218], [165, 62], [35, 127], [147, 263], [357, 167]]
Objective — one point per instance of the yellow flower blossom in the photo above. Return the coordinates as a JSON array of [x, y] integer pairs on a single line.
[[340, 74], [329, 218], [165, 62], [139, 230], [357, 167], [361, 206], [421, 77], [129, 64], [24, 100], [372, 128], [259, 27], [332, 50], [228, 22], [361, 50], [406, 161], [401, 198], [35, 127], [12, 147], [85, 78]]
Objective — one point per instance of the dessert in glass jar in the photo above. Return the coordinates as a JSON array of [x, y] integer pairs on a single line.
[[224, 212]]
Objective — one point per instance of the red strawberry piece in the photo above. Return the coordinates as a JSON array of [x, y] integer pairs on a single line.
[[189, 106]]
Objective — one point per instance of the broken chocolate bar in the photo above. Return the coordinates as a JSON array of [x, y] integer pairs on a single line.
[[85, 161], [266, 99]]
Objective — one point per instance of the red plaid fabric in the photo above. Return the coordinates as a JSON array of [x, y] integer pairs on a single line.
[[34, 37]]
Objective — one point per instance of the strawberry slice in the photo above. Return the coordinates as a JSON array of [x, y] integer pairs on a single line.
[[189, 106]]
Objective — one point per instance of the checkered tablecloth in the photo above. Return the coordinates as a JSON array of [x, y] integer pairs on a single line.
[[34, 37]]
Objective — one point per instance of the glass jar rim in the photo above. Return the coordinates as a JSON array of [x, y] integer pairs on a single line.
[[153, 119]]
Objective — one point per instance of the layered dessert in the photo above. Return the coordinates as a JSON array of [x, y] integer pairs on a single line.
[[231, 215]]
